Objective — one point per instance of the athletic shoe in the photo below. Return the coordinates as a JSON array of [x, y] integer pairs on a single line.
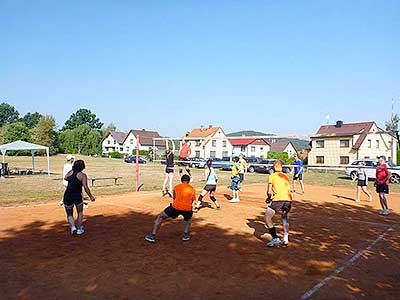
[[285, 240], [85, 205], [385, 212], [61, 203], [234, 200], [80, 231], [185, 237], [151, 238], [73, 230], [196, 210], [274, 242], [380, 212], [218, 208], [357, 200]]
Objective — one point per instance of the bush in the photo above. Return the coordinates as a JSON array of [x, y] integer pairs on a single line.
[[142, 152], [398, 157], [283, 156], [115, 154]]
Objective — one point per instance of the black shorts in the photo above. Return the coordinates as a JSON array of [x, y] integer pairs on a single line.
[[210, 187], [241, 176], [298, 177], [283, 207], [169, 170], [362, 183], [182, 162], [382, 188], [71, 199], [173, 213]]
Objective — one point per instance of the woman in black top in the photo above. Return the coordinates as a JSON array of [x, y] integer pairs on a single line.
[[73, 195], [169, 173]]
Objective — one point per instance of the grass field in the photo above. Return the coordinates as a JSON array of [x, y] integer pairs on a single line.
[[42, 188]]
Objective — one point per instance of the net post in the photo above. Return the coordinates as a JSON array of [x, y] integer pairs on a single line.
[[137, 163]]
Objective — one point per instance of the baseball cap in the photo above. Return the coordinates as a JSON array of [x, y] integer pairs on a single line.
[[69, 157]]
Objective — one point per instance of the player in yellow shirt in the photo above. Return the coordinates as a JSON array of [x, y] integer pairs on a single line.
[[242, 165], [279, 198], [235, 181]]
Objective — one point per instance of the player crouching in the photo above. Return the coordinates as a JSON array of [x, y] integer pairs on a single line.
[[184, 195], [279, 198]]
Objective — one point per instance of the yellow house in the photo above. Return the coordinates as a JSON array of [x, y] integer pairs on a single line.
[[341, 143]]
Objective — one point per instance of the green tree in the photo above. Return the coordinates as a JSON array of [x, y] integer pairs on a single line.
[[44, 132], [81, 117], [82, 140], [108, 129], [17, 131], [393, 124], [8, 114], [283, 156], [31, 120]]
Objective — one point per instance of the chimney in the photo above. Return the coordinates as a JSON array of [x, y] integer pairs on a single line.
[[209, 126], [339, 124], [201, 127], [143, 129]]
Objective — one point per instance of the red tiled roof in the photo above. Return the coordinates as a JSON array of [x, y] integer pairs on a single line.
[[202, 132], [279, 146], [247, 141], [362, 128], [119, 136], [146, 137]]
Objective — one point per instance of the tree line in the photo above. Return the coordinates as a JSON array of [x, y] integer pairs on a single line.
[[82, 132]]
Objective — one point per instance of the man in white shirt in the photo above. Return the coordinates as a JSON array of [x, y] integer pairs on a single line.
[[67, 167]]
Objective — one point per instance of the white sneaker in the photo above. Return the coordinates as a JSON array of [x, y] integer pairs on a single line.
[[274, 242], [80, 231], [234, 200], [73, 230], [85, 205], [385, 212], [61, 203], [285, 239]]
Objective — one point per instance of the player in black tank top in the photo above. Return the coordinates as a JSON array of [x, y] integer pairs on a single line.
[[73, 195], [169, 173]]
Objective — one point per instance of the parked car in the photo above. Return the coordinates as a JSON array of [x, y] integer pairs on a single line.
[[251, 163], [370, 169], [266, 167], [132, 159], [216, 163]]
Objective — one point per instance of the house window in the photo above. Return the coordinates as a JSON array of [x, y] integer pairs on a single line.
[[108, 142], [115, 142], [344, 143], [198, 143], [320, 144], [121, 149], [377, 144], [224, 144], [253, 149], [320, 160], [242, 148], [213, 154], [390, 145], [197, 153], [225, 153], [344, 160], [214, 143], [131, 141], [261, 149], [369, 144]]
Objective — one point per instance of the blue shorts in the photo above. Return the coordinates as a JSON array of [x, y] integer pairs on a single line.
[[235, 183]]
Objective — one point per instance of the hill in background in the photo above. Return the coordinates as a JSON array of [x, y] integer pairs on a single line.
[[299, 144]]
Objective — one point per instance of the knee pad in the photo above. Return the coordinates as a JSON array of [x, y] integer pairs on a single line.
[[285, 219], [70, 212]]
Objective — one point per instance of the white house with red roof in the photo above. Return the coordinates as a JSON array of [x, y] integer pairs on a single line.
[[209, 142], [342, 143], [125, 142], [284, 146], [250, 147]]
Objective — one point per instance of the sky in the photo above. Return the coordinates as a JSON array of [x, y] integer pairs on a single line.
[[273, 66]]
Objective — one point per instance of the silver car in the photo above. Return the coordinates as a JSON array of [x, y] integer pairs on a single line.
[[370, 169]]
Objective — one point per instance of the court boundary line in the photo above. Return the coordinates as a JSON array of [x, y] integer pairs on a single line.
[[347, 264]]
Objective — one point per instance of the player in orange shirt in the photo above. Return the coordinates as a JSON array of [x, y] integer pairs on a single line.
[[279, 198], [184, 195]]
